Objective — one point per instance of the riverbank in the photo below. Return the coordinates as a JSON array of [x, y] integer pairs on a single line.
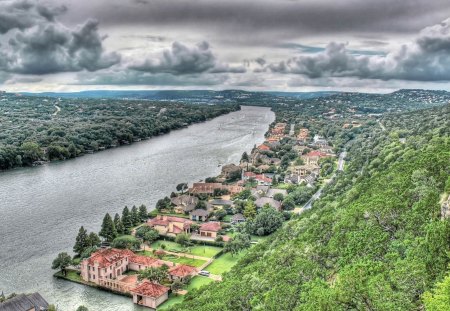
[[88, 126]]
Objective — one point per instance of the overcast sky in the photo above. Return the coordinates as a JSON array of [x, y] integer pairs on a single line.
[[285, 45]]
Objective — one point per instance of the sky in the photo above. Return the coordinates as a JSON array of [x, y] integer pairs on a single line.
[[261, 45]]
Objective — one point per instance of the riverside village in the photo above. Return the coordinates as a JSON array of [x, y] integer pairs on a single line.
[[200, 231]]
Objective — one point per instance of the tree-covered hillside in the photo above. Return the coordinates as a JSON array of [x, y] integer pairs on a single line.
[[376, 240], [36, 129]]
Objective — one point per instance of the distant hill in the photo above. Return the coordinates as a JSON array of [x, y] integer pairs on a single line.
[[192, 95]]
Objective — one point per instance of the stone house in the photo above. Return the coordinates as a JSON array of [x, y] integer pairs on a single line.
[[184, 203], [30, 302], [180, 272], [199, 215]]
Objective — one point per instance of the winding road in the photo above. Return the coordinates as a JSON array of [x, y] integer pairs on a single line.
[[341, 163]]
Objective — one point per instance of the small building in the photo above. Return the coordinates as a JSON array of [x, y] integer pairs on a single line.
[[31, 302], [263, 148], [180, 272], [184, 203], [150, 294], [210, 229], [199, 215], [237, 218], [273, 203]]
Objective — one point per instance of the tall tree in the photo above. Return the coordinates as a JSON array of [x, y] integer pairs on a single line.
[[143, 213], [250, 210], [135, 216], [108, 231], [62, 261], [126, 218], [119, 225], [93, 240], [81, 241]]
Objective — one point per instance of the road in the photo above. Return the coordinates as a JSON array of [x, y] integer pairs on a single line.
[[381, 125], [341, 163]]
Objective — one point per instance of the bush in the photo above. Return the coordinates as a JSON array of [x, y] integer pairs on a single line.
[[126, 241]]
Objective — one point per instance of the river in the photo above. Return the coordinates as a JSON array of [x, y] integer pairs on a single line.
[[42, 208]]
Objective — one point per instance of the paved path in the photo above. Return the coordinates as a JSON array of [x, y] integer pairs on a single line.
[[178, 254], [381, 125], [341, 163], [57, 110]]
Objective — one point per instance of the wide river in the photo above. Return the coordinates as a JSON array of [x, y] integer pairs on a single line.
[[42, 208]]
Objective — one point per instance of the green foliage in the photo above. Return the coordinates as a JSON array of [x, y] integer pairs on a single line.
[[120, 228], [240, 242], [85, 125], [438, 298], [135, 218], [108, 231], [147, 234], [81, 241], [250, 210], [143, 213], [62, 261], [154, 274], [267, 221], [127, 219], [82, 308], [183, 239], [126, 241]]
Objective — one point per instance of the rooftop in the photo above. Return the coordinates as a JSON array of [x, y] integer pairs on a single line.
[[149, 289], [214, 226], [182, 271]]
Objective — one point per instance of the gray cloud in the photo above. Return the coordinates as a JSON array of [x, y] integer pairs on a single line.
[[131, 77], [25, 14], [181, 59], [269, 21], [427, 58], [50, 48]]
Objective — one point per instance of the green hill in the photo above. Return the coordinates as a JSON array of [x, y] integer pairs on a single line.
[[375, 241]]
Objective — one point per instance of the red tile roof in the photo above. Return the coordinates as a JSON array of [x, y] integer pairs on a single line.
[[150, 289], [263, 147], [213, 226], [108, 257], [145, 260], [182, 271]]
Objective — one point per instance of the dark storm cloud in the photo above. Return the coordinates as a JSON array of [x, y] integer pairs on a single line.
[[264, 20], [25, 14], [51, 48], [38, 44], [427, 58], [181, 59]]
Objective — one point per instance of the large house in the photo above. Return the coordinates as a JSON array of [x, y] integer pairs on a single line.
[[313, 157], [210, 229], [109, 264], [170, 225], [150, 294], [262, 179], [208, 188], [184, 203]]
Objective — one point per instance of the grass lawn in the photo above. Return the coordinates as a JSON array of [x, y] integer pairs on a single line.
[[74, 276], [282, 186], [198, 250], [184, 260], [198, 281], [205, 250], [176, 259], [224, 263], [173, 299], [170, 246]]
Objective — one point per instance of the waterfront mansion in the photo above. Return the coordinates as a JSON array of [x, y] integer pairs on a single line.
[[107, 267]]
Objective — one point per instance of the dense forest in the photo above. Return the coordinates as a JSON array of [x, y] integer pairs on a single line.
[[36, 129], [376, 240]]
